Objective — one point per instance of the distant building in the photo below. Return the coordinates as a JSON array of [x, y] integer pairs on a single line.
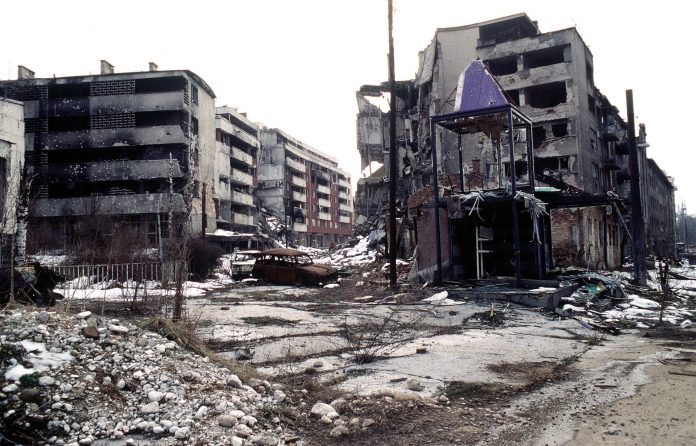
[[127, 145], [306, 187], [11, 164], [657, 197], [237, 160]]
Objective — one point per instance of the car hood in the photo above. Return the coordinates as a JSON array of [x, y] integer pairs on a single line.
[[319, 270]]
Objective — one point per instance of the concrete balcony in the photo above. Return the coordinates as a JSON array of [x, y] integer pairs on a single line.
[[344, 183], [238, 133], [320, 174], [324, 216], [129, 103], [241, 156], [241, 198], [345, 207], [344, 219], [241, 219], [534, 76], [107, 205], [324, 203], [239, 177], [298, 196], [133, 136], [299, 182], [323, 189], [344, 195], [299, 227], [112, 171], [296, 165]]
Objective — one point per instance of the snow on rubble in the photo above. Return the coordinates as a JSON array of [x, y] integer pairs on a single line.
[[81, 379], [364, 252], [603, 299]]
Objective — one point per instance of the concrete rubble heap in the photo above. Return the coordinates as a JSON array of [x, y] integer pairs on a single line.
[[77, 379]]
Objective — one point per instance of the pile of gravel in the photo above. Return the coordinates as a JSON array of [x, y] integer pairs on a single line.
[[81, 379]]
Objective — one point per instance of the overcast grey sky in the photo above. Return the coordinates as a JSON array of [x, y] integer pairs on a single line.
[[296, 64]]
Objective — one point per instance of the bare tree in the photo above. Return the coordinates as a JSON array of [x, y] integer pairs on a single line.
[[666, 296]]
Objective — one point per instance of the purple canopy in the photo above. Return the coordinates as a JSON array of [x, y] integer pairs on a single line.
[[478, 90]]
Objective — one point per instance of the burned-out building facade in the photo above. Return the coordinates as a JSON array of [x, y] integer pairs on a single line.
[[237, 150], [579, 140], [305, 188], [11, 166], [134, 146]]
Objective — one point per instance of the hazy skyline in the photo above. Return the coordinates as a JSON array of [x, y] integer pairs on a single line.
[[296, 65]]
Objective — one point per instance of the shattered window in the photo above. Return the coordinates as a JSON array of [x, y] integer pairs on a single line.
[[194, 94], [546, 95], [544, 57]]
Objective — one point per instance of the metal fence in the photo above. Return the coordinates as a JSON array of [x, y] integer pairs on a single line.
[[163, 272]]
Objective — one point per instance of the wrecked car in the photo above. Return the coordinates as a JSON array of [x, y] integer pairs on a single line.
[[33, 285], [284, 266]]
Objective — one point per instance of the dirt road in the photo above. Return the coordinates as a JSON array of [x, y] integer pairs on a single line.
[[631, 390]]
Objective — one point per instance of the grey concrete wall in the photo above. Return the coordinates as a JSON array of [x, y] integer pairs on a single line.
[[12, 151], [204, 111]]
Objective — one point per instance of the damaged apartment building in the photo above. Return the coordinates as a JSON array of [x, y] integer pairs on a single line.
[[578, 139], [305, 188], [238, 149], [134, 146]]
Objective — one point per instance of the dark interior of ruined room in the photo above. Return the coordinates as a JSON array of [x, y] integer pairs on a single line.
[[495, 238]]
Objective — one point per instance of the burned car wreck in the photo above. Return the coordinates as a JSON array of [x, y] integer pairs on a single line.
[[284, 266], [33, 285]]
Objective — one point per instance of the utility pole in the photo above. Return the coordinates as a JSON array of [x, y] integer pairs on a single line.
[[637, 223], [392, 154]]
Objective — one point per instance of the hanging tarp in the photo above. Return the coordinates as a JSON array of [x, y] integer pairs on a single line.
[[477, 89]]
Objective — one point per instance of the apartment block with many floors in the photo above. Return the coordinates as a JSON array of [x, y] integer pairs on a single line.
[[129, 145], [237, 150], [306, 188]]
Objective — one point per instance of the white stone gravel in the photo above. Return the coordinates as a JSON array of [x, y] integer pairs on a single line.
[[130, 386]]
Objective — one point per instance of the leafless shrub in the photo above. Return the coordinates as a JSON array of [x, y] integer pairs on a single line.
[[183, 332], [595, 338], [377, 336], [666, 295]]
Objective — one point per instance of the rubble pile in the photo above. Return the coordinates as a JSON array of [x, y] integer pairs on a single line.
[[604, 302], [357, 252], [69, 379]]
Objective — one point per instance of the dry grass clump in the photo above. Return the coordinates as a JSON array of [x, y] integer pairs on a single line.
[[183, 332]]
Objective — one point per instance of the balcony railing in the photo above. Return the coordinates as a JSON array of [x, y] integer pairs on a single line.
[[321, 175], [241, 219], [298, 196], [296, 165], [297, 181], [324, 203], [323, 189], [324, 216], [238, 133], [241, 156], [107, 205], [113, 170], [345, 207], [344, 219], [239, 177], [344, 195], [343, 183], [241, 198]]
